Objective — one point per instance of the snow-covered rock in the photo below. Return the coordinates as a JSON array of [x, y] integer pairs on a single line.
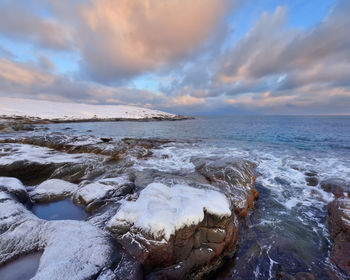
[[103, 189], [13, 186], [71, 249], [53, 189], [29, 108], [176, 230], [161, 210], [94, 191], [32, 164]]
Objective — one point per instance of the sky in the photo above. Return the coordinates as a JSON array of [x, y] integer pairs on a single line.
[[193, 57]]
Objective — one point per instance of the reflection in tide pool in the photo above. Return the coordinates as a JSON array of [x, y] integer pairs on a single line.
[[59, 210], [23, 268]]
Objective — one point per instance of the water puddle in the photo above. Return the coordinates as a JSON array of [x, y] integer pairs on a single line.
[[59, 210], [23, 268]]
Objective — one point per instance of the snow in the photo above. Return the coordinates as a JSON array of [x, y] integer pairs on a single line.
[[71, 249], [94, 191], [17, 152], [73, 111], [53, 188], [161, 210], [11, 184]]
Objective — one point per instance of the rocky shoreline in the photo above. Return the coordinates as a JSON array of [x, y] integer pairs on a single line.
[[19, 123], [101, 177], [142, 221]]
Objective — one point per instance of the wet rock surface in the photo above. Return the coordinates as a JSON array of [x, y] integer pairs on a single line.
[[234, 177], [100, 176], [339, 223], [339, 187]]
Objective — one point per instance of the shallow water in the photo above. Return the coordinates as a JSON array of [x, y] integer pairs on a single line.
[[287, 231], [22, 268], [59, 210]]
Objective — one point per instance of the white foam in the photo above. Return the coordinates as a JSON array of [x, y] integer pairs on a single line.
[[161, 210]]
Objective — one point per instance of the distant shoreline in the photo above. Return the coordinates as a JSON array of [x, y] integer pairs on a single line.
[[36, 120]]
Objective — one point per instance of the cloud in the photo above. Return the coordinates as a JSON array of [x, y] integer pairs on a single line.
[[27, 79], [122, 39], [186, 47], [6, 53], [276, 69], [187, 100], [271, 49], [46, 63], [18, 22]]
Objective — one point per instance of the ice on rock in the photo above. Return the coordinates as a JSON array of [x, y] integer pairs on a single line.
[[161, 210], [53, 189]]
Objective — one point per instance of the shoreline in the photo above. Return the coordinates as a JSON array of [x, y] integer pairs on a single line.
[[34, 120]]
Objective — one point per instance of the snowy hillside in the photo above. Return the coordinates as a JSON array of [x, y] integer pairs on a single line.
[[11, 107]]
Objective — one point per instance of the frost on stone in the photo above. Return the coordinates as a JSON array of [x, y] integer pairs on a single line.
[[161, 210], [94, 191], [103, 189], [53, 189]]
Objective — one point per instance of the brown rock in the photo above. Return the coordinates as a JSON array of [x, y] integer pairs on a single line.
[[186, 251], [339, 222], [336, 186], [216, 235]]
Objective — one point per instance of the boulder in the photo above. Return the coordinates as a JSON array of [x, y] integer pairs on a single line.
[[71, 249], [176, 231], [15, 187], [339, 224], [53, 190], [337, 186], [234, 177]]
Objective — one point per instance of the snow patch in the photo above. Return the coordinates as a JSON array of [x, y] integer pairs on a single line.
[[17, 152], [161, 210]]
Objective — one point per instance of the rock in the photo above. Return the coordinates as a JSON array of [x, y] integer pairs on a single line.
[[106, 140], [33, 165], [339, 223], [15, 187], [311, 181], [216, 235], [337, 186], [234, 177], [93, 191], [162, 231], [87, 144], [71, 249], [52, 190]]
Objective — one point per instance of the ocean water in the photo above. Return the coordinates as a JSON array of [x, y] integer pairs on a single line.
[[287, 231]]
